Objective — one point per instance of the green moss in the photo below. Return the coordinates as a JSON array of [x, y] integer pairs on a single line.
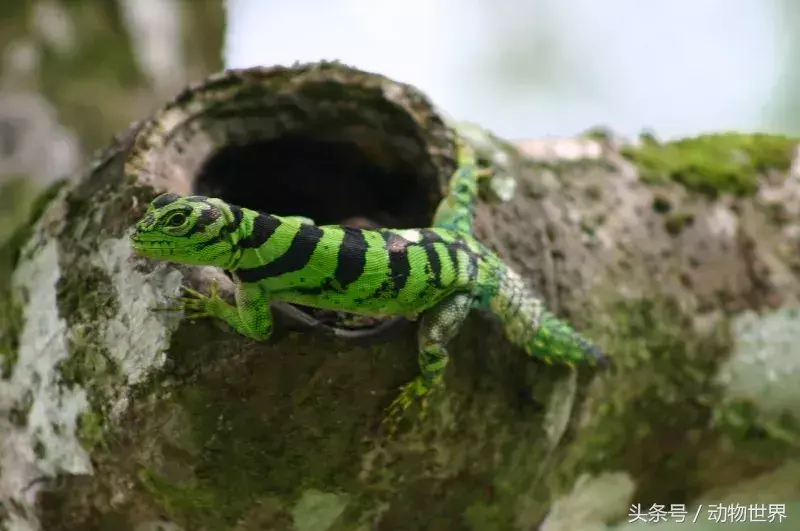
[[744, 425], [248, 436], [659, 366], [658, 416], [11, 323], [200, 505], [713, 164], [92, 296], [11, 249], [89, 97], [677, 221], [16, 195], [91, 429], [86, 298]]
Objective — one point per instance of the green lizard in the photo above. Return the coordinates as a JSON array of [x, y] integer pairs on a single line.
[[436, 274]]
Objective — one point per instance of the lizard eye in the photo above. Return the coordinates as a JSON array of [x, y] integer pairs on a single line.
[[177, 220]]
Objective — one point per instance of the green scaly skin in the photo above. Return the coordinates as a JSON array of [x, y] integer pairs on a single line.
[[436, 274]]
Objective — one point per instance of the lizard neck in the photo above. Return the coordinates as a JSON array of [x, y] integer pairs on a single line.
[[260, 239]]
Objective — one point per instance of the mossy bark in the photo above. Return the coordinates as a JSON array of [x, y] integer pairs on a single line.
[[127, 418]]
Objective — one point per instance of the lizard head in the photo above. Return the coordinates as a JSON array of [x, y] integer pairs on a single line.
[[190, 230]]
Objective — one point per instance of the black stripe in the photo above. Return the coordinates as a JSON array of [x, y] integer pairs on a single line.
[[165, 199], [226, 230], [399, 266], [434, 265], [238, 214], [352, 257], [206, 218], [311, 290], [473, 266], [452, 250], [430, 236], [264, 226], [295, 258]]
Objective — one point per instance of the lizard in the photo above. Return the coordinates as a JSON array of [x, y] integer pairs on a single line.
[[435, 275]]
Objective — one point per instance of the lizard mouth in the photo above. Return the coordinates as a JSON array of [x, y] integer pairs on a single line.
[[154, 247]]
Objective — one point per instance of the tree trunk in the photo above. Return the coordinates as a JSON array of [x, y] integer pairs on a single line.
[[116, 416]]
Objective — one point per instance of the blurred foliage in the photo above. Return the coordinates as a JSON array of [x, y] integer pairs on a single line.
[[79, 54], [16, 198], [17, 193], [22, 202], [89, 70]]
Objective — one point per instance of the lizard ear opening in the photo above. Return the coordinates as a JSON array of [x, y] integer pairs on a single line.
[[347, 180]]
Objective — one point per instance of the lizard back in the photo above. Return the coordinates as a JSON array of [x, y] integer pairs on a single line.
[[374, 272]]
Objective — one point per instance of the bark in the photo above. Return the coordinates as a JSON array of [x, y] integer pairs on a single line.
[[117, 416]]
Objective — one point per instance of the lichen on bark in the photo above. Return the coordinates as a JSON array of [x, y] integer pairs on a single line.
[[191, 426]]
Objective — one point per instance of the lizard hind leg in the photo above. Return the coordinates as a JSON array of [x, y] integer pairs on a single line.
[[556, 340], [437, 327], [457, 209], [528, 324]]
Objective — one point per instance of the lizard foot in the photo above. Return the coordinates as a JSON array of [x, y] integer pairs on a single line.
[[416, 390], [194, 304]]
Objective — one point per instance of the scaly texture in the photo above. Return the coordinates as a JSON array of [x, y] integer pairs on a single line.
[[437, 274]]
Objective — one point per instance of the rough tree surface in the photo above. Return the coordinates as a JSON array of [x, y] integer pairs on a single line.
[[680, 259]]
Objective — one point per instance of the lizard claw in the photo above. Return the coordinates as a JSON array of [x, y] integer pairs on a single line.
[[193, 293], [415, 390], [194, 304]]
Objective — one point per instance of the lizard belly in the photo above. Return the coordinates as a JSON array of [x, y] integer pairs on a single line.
[[343, 301], [378, 305]]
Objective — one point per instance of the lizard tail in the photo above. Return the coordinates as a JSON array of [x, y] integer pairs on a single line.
[[529, 325]]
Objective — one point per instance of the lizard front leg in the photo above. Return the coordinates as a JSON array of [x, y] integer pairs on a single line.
[[250, 317], [457, 209], [438, 326]]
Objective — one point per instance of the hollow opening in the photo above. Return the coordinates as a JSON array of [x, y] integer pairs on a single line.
[[323, 140], [331, 182], [340, 181]]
